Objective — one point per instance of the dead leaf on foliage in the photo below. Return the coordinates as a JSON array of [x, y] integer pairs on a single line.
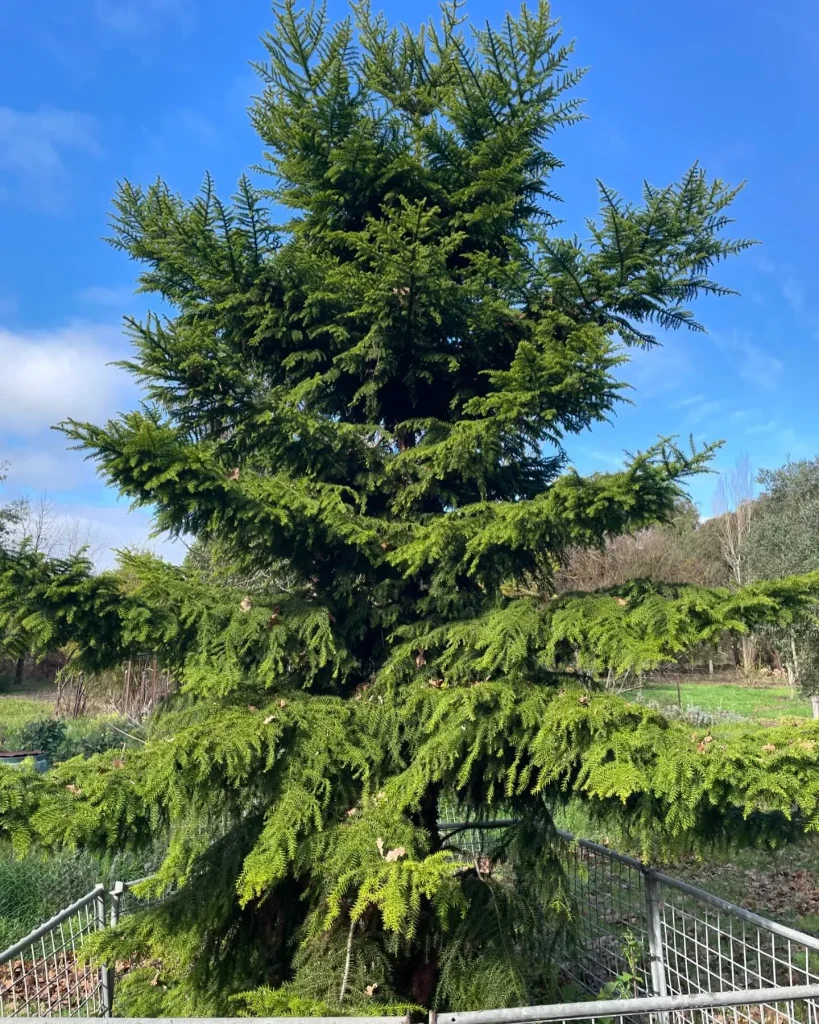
[[234, 474], [118, 762], [420, 659], [282, 703], [583, 699], [245, 604], [73, 789], [269, 719], [371, 989], [353, 811], [252, 707], [396, 854], [769, 748], [380, 844]]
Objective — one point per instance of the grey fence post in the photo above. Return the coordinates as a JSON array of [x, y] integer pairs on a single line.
[[106, 987], [655, 933], [111, 972]]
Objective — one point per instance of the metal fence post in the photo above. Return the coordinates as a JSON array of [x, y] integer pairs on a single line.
[[106, 988], [655, 933]]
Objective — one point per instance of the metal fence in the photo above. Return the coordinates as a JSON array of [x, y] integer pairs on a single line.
[[650, 935], [43, 974], [654, 935]]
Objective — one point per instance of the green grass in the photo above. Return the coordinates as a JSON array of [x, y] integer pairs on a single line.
[[16, 712], [762, 704]]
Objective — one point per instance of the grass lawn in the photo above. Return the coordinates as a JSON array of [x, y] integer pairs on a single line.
[[766, 704], [18, 711]]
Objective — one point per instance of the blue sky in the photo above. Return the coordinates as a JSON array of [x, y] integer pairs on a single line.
[[97, 90]]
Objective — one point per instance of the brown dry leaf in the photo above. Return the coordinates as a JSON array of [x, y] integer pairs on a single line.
[[269, 719], [807, 744], [246, 604], [371, 989], [252, 707], [380, 844], [282, 703], [769, 748], [234, 474], [701, 747], [396, 854], [420, 659], [353, 811], [583, 699], [385, 545], [73, 789], [155, 979], [118, 762], [621, 601], [436, 684], [274, 618], [708, 739]]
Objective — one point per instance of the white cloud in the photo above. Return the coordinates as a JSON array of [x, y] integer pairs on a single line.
[[50, 375], [33, 146]]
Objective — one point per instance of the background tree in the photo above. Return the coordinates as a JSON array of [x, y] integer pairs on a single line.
[[362, 414], [783, 540], [733, 512], [35, 525]]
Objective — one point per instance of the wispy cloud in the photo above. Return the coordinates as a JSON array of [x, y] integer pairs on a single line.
[[793, 295], [33, 145], [137, 17], [758, 366], [101, 295], [763, 428]]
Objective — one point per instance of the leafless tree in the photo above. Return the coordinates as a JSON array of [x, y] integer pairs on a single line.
[[733, 508], [43, 528]]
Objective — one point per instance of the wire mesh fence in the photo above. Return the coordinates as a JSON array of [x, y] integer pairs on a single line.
[[763, 1006], [644, 933], [44, 975], [654, 935]]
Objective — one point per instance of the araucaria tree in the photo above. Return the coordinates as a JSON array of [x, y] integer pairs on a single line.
[[361, 414]]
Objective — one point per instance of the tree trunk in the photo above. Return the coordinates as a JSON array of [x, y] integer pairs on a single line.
[[814, 706], [710, 666], [18, 672], [796, 682]]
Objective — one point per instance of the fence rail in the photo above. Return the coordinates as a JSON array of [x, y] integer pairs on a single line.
[[708, 1006]]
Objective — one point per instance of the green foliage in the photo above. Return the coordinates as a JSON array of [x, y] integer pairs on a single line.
[[361, 416], [784, 539]]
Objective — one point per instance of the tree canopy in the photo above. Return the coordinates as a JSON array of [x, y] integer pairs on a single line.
[[362, 415]]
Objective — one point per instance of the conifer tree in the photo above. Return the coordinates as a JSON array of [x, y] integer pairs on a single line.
[[360, 408]]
